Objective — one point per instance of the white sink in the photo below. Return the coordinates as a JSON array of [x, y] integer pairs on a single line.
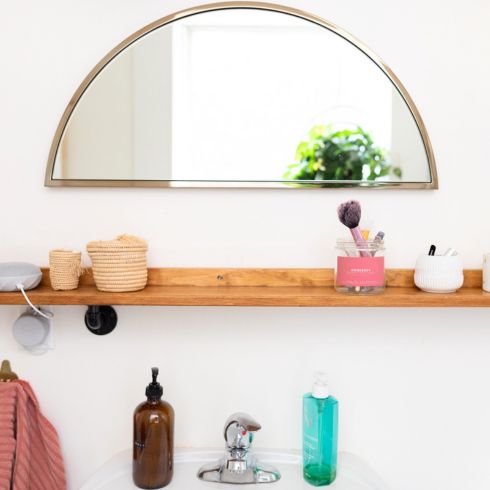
[[353, 473]]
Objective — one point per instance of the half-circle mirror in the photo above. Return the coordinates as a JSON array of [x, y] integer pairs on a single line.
[[241, 95]]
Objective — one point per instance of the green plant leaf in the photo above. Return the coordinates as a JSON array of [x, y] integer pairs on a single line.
[[341, 154]]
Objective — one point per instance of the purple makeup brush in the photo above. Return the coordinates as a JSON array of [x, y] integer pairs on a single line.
[[349, 215]]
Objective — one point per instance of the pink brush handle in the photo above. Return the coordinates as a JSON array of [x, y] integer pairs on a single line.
[[360, 242]]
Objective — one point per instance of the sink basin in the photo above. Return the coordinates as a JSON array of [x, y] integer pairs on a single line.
[[353, 473]]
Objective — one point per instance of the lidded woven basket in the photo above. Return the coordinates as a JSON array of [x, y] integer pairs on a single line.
[[119, 265]]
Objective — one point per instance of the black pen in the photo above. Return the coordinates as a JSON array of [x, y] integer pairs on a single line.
[[432, 250]]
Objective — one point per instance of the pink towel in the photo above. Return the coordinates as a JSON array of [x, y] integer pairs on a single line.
[[30, 454]]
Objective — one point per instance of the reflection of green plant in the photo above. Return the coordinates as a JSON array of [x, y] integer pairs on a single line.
[[348, 154]]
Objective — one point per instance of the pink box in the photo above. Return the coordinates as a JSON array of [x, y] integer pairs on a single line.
[[360, 271]]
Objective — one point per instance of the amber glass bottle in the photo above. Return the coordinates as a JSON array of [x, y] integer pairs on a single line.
[[153, 439]]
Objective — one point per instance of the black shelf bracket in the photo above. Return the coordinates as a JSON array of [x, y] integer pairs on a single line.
[[101, 319]]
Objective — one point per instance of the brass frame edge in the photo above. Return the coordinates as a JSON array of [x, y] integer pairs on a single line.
[[50, 182]]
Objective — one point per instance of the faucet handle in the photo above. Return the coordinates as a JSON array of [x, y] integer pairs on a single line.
[[239, 464], [238, 430]]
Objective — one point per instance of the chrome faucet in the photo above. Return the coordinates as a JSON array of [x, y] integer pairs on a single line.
[[239, 465]]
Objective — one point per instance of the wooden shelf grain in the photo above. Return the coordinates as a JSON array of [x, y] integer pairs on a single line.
[[250, 296], [255, 287]]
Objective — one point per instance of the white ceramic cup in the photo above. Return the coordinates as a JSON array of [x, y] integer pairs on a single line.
[[439, 273], [31, 332], [486, 272]]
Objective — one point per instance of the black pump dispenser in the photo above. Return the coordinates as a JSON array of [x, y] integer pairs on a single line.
[[154, 390]]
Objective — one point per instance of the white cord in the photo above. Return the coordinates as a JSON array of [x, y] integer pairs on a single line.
[[47, 315]]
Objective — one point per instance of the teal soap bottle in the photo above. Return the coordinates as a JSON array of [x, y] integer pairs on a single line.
[[320, 434]]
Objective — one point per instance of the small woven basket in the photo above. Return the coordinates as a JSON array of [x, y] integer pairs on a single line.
[[119, 265], [64, 269]]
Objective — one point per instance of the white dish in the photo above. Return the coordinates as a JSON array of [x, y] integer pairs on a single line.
[[353, 473], [439, 273]]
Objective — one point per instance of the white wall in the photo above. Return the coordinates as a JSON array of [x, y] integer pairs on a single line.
[[413, 383]]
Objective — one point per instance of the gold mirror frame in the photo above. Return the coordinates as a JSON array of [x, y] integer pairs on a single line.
[[50, 182]]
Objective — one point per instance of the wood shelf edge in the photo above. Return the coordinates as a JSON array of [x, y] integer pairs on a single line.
[[255, 287], [262, 277]]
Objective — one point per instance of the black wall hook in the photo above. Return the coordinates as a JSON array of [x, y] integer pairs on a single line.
[[101, 320]]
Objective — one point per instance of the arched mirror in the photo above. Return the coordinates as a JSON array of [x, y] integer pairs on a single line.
[[241, 95]]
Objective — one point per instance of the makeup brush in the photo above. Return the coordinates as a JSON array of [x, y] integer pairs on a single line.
[[379, 236], [377, 240], [349, 215]]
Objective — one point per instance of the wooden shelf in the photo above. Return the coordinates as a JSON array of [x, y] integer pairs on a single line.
[[255, 287], [250, 296]]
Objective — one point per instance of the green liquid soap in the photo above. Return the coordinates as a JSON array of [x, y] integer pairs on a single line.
[[320, 432], [319, 475]]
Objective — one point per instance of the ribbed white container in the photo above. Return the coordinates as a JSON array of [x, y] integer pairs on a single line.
[[438, 273], [486, 273]]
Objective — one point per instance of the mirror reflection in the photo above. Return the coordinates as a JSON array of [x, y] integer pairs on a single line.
[[242, 95]]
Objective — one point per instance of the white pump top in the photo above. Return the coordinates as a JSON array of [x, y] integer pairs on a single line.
[[320, 387]]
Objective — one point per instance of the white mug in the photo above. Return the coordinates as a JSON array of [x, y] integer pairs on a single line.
[[486, 272], [32, 332]]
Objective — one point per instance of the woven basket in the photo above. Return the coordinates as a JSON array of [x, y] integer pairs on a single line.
[[119, 265], [64, 269]]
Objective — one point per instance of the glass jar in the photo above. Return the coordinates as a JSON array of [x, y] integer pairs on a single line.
[[360, 268]]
